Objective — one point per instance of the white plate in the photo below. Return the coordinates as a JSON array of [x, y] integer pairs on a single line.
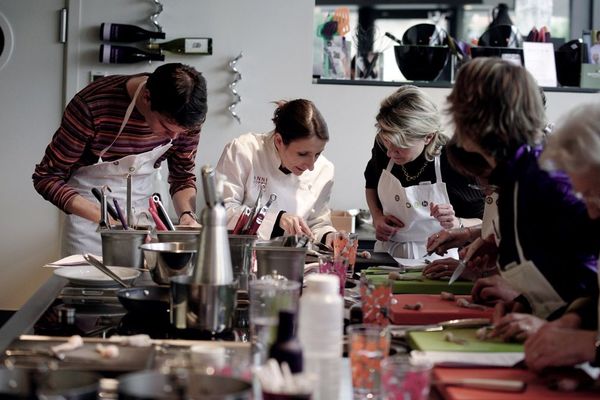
[[91, 276]]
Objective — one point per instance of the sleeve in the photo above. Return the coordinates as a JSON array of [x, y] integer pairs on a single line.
[[235, 166], [467, 202], [64, 151], [320, 219], [181, 159], [375, 165]]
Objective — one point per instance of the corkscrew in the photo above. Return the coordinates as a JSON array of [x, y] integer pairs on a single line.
[[154, 16], [232, 87]]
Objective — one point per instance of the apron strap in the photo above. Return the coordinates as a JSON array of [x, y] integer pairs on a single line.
[[517, 241], [390, 166], [126, 118], [438, 170]]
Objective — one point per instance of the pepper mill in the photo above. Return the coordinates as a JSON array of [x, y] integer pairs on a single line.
[[214, 257]]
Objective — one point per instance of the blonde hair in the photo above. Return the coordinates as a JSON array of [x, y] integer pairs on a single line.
[[408, 116], [574, 146], [497, 105]]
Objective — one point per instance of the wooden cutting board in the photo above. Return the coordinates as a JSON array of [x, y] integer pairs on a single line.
[[537, 387], [433, 310], [425, 286], [434, 341]]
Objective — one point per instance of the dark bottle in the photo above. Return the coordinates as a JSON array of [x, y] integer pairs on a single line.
[[126, 33], [110, 54], [184, 46], [287, 347]]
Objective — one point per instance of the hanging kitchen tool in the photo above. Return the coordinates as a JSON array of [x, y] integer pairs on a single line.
[[342, 16], [162, 212], [160, 226], [237, 77]]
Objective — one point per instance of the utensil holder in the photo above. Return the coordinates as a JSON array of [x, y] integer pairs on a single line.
[[121, 248]]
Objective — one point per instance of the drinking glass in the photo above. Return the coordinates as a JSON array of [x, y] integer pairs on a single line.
[[267, 298], [376, 297], [346, 245], [368, 346], [337, 266], [403, 379]]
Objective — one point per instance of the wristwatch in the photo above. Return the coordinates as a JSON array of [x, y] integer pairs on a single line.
[[190, 213]]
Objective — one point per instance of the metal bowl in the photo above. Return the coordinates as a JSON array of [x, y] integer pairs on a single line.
[[165, 260]]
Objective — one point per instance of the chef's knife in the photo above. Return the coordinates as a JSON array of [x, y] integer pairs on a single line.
[[98, 195]]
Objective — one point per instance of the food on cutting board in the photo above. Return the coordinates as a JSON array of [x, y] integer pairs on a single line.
[[396, 276], [365, 254], [447, 296], [417, 306], [462, 302]]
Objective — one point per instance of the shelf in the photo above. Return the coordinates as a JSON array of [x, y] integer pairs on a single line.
[[440, 84]]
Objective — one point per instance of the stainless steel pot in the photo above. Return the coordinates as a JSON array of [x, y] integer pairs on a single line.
[[21, 383], [287, 261], [180, 235], [153, 385], [122, 248], [201, 306]]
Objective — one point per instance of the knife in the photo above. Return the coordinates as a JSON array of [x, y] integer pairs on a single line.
[[98, 195], [462, 264], [500, 385]]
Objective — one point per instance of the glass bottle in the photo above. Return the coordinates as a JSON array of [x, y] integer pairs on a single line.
[[124, 33], [184, 46], [286, 347], [111, 54]]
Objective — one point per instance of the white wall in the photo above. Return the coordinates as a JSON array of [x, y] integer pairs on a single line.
[[276, 39]]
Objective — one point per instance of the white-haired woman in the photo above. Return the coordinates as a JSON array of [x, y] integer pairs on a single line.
[[411, 189], [574, 148]]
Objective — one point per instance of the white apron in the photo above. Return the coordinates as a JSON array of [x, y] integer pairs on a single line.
[[79, 234], [411, 206], [524, 277], [490, 223]]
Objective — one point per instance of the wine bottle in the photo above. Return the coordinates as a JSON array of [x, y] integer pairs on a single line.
[[184, 46], [110, 54], [287, 347], [126, 33]]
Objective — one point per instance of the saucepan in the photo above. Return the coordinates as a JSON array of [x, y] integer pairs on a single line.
[[145, 299], [153, 385], [21, 383]]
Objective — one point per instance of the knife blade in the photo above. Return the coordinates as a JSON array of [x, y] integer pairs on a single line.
[[462, 264], [98, 195]]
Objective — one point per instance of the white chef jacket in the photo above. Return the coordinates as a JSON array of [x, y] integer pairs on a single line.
[[250, 161]]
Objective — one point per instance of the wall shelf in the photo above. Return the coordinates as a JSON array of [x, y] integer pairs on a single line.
[[441, 84]]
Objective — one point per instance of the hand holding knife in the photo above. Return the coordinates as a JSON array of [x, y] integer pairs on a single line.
[[462, 264]]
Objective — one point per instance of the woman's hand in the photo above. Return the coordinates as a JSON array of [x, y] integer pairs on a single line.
[[514, 325], [444, 213], [552, 346], [447, 239], [440, 269], [294, 225], [493, 289], [386, 226], [188, 220]]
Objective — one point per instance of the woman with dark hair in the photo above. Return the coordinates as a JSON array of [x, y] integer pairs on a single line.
[[288, 162], [544, 253], [124, 125]]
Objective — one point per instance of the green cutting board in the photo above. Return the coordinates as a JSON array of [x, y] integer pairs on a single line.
[[434, 341], [426, 286]]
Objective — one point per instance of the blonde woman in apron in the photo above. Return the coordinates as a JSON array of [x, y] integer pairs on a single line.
[[145, 115], [411, 189]]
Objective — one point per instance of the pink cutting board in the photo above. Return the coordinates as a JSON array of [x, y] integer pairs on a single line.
[[434, 310], [537, 387]]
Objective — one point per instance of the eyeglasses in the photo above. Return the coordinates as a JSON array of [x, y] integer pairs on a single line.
[[484, 188]]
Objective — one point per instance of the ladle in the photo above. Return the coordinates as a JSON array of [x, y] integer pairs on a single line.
[[96, 263]]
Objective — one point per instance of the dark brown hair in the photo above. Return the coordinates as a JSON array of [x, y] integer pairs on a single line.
[[299, 119], [496, 105], [178, 92]]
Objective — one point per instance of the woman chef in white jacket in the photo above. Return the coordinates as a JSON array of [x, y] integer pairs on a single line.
[[411, 189], [287, 162]]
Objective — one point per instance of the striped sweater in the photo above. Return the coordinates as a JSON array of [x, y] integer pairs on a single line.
[[90, 123]]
